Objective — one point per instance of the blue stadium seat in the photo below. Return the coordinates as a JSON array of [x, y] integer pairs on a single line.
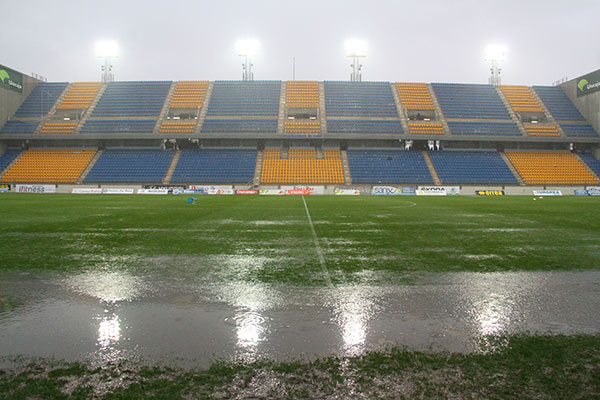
[[459, 100], [388, 166], [8, 157], [471, 167], [366, 126], [239, 125], [578, 130], [557, 102], [131, 166], [15, 126], [484, 128], [215, 166], [41, 99], [122, 99], [118, 126], [592, 162], [368, 99], [245, 98]]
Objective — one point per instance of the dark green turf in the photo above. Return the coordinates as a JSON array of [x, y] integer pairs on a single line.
[[362, 238], [543, 367]]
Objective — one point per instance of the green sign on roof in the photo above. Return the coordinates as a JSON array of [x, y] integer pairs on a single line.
[[11, 79], [588, 83]]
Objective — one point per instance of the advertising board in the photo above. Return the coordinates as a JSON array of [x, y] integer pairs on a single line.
[[588, 83], [385, 191], [87, 191], [246, 192], [153, 191], [204, 189], [272, 192], [11, 79], [117, 191], [347, 192], [547, 193], [489, 192], [594, 190], [35, 188], [303, 190], [438, 191]]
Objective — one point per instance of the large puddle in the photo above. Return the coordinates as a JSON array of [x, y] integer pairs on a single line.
[[187, 321]]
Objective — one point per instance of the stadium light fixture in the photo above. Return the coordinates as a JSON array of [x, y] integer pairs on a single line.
[[495, 54], [356, 49], [107, 49], [248, 48]]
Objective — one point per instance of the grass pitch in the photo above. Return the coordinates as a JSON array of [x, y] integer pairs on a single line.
[[271, 239]]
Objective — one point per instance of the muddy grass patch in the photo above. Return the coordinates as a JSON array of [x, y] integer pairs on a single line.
[[529, 367]]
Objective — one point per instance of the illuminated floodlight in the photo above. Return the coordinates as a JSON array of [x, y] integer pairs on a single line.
[[495, 52], [248, 47], [356, 48], [107, 49]]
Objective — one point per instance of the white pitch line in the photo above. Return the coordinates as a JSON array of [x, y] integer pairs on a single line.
[[318, 247]]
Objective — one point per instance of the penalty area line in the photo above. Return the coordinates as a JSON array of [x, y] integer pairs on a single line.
[[318, 247]]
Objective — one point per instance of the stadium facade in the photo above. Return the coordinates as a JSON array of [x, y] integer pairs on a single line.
[[265, 134]]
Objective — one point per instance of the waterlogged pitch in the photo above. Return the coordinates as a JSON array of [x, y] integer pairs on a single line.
[[298, 240]]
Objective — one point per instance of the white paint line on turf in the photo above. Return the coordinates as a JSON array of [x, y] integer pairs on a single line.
[[318, 247]]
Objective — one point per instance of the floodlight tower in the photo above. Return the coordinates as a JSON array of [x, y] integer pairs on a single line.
[[248, 48], [494, 53], [107, 50], [356, 49]]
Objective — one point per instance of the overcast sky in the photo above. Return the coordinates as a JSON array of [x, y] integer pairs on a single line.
[[421, 41]]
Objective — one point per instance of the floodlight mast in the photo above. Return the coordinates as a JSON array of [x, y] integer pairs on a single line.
[[495, 55], [356, 49], [248, 49], [107, 51]]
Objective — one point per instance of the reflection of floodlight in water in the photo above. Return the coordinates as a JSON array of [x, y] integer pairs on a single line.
[[107, 50], [356, 49], [248, 48], [495, 53]]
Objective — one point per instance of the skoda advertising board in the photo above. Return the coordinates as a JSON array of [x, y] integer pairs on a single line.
[[11, 79]]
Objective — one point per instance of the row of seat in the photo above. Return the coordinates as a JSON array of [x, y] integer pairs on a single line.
[[426, 128], [302, 127], [301, 165], [80, 96], [302, 94], [521, 99], [189, 94], [414, 96]]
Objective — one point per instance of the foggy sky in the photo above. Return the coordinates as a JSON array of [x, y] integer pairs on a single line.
[[421, 41]]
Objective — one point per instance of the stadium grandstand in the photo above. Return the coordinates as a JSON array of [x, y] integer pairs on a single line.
[[271, 133]]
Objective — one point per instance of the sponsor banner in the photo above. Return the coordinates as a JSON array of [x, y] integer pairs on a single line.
[[87, 191], [347, 192], [594, 190], [588, 83], [153, 191], [170, 188], [408, 191], [272, 192], [203, 189], [547, 193], [438, 191], [35, 188], [385, 191], [11, 79], [489, 192], [117, 191], [304, 190], [581, 192], [246, 191], [4, 188]]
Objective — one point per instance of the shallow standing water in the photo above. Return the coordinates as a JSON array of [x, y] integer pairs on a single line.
[[110, 316]]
